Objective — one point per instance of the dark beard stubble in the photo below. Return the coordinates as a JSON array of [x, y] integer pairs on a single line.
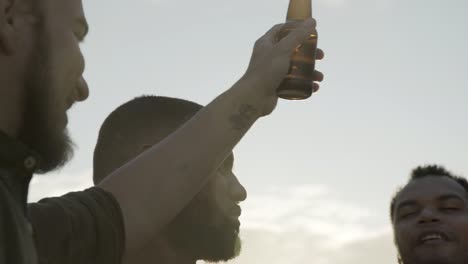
[[42, 129], [202, 231]]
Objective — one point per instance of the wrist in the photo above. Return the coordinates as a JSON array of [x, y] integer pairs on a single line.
[[252, 91], [243, 104]]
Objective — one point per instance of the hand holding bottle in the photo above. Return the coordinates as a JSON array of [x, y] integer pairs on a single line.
[[271, 60]]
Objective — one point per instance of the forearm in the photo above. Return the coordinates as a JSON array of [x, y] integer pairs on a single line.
[[183, 163]]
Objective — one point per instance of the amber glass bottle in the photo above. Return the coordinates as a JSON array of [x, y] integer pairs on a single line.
[[298, 83]]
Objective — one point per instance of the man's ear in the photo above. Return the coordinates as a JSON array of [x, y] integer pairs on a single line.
[[7, 38]]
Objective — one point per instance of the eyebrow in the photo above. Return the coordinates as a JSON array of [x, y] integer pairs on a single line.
[[440, 198], [84, 25], [448, 197], [406, 203]]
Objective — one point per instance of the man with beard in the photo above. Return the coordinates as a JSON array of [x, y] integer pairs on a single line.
[[207, 228], [430, 218], [41, 70]]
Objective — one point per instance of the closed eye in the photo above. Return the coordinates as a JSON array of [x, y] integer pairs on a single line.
[[451, 209], [450, 204], [407, 209], [407, 214]]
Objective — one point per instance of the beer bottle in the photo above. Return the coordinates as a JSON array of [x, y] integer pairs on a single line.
[[298, 83]]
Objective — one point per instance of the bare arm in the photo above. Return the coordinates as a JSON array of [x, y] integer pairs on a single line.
[[185, 160]]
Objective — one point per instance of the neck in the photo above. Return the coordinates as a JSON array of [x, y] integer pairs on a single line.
[[8, 124], [11, 106], [159, 251]]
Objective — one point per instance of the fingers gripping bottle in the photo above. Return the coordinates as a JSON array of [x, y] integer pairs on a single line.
[[297, 84]]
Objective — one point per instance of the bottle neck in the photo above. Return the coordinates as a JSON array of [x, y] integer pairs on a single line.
[[299, 10]]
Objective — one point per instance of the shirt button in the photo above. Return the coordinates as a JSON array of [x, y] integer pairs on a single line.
[[30, 163]]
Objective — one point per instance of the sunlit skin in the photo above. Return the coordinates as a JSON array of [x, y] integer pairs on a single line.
[[431, 222]]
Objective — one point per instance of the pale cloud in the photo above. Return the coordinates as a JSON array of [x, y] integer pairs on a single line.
[[311, 224], [314, 209], [56, 184]]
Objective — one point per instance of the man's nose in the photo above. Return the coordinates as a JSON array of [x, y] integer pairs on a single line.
[[428, 215], [237, 191]]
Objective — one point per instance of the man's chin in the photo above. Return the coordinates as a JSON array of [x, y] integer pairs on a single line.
[[237, 247], [54, 152], [223, 245], [228, 253], [435, 256]]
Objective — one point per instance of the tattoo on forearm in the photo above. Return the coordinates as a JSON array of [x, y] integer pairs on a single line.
[[244, 118]]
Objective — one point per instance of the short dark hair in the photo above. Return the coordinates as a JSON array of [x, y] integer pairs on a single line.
[[145, 120], [425, 171]]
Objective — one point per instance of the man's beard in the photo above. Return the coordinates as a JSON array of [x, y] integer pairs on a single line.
[[43, 130], [203, 232]]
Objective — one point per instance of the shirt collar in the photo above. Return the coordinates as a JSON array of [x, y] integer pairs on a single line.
[[15, 154]]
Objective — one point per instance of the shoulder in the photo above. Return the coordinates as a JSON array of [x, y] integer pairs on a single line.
[[79, 225]]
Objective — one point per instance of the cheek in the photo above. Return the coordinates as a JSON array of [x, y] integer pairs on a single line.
[[221, 190], [69, 74], [460, 226], [220, 197], [402, 238], [73, 62], [69, 62]]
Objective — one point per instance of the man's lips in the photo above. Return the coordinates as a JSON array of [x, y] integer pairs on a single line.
[[235, 211], [433, 236]]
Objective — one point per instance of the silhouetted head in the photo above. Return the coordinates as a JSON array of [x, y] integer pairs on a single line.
[[208, 227]]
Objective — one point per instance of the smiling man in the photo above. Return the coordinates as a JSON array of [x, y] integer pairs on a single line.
[[430, 218]]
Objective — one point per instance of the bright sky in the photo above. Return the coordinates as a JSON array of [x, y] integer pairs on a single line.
[[320, 173]]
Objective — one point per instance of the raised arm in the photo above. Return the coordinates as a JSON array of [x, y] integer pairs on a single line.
[[185, 160]]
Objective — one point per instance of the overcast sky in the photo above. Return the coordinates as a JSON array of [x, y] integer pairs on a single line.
[[320, 172]]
